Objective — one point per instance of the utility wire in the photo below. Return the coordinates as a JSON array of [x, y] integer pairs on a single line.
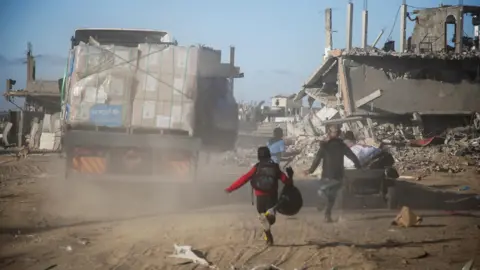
[[394, 23], [415, 7]]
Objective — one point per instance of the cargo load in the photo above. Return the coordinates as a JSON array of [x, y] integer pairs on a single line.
[[152, 86]]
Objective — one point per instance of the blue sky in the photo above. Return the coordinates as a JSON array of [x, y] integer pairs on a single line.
[[278, 43]]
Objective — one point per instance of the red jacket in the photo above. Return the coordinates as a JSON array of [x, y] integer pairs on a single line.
[[246, 177]]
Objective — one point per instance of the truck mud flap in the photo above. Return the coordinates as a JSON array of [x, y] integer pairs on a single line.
[[93, 165]]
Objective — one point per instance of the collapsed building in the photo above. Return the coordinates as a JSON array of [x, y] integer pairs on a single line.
[[425, 93], [38, 122], [428, 84]]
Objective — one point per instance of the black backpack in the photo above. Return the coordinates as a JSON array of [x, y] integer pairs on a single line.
[[266, 177]]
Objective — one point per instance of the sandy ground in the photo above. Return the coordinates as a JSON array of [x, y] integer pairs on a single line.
[[46, 223]]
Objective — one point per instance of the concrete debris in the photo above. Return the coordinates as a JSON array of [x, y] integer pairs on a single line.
[[307, 147], [453, 151], [453, 157], [429, 55], [468, 265], [311, 124]]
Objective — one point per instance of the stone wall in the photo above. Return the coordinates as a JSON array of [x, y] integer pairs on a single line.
[[430, 28]]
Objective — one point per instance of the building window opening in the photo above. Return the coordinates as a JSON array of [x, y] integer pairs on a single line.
[[450, 33]]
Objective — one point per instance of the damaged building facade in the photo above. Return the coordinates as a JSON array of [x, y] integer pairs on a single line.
[[428, 84]]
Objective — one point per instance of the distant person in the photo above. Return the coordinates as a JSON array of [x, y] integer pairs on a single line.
[[276, 145], [277, 148], [264, 178], [332, 152]]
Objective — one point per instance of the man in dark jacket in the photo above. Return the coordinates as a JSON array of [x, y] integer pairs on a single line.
[[332, 152], [264, 178]]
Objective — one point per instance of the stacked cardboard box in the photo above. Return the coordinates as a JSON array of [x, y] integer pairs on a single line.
[[100, 82], [158, 84], [168, 85]]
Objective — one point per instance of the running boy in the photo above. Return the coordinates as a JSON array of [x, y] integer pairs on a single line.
[[264, 178]]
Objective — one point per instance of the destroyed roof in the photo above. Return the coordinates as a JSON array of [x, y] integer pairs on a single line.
[[465, 9], [331, 60], [328, 65], [318, 83], [373, 52], [37, 88]]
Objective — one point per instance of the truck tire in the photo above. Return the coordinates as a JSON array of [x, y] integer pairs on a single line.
[[392, 200]]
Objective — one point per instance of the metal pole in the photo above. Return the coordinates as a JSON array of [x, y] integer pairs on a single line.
[[378, 38], [328, 30], [403, 27], [364, 28], [232, 68], [349, 25]]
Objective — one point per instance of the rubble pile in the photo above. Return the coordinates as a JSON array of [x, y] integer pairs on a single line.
[[422, 161], [452, 152], [452, 156], [370, 51], [306, 147]]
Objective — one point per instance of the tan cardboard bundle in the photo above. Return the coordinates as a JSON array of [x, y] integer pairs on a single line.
[[102, 79]]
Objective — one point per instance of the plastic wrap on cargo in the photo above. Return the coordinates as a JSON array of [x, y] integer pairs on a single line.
[[101, 98], [173, 87], [91, 59], [166, 87]]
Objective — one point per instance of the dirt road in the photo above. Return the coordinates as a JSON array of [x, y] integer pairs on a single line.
[[48, 224]]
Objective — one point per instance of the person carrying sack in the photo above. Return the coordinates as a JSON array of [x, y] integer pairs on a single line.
[[332, 153], [264, 177]]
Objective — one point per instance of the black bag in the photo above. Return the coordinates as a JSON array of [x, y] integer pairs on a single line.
[[266, 177], [290, 201]]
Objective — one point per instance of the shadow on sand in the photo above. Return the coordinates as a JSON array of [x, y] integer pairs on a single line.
[[409, 194], [192, 197]]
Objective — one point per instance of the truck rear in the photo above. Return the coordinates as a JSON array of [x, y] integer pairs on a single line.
[[135, 106]]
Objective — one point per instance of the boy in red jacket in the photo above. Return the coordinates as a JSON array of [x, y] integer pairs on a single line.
[[264, 178]]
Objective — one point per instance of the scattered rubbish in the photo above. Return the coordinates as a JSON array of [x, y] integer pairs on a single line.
[[83, 241], [406, 218], [67, 248], [464, 188], [186, 252], [468, 265]]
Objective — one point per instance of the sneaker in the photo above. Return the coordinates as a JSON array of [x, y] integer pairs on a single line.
[[264, 221], [268, 237]]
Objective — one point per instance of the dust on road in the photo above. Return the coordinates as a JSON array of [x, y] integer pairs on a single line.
[[48, 223]]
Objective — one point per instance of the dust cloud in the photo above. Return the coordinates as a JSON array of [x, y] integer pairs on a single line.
[[87, 198]]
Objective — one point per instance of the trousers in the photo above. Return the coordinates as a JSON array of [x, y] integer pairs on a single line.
[[328, 192], [264, 203]]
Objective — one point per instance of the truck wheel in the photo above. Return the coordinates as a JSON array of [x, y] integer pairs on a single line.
[[392, 201]]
